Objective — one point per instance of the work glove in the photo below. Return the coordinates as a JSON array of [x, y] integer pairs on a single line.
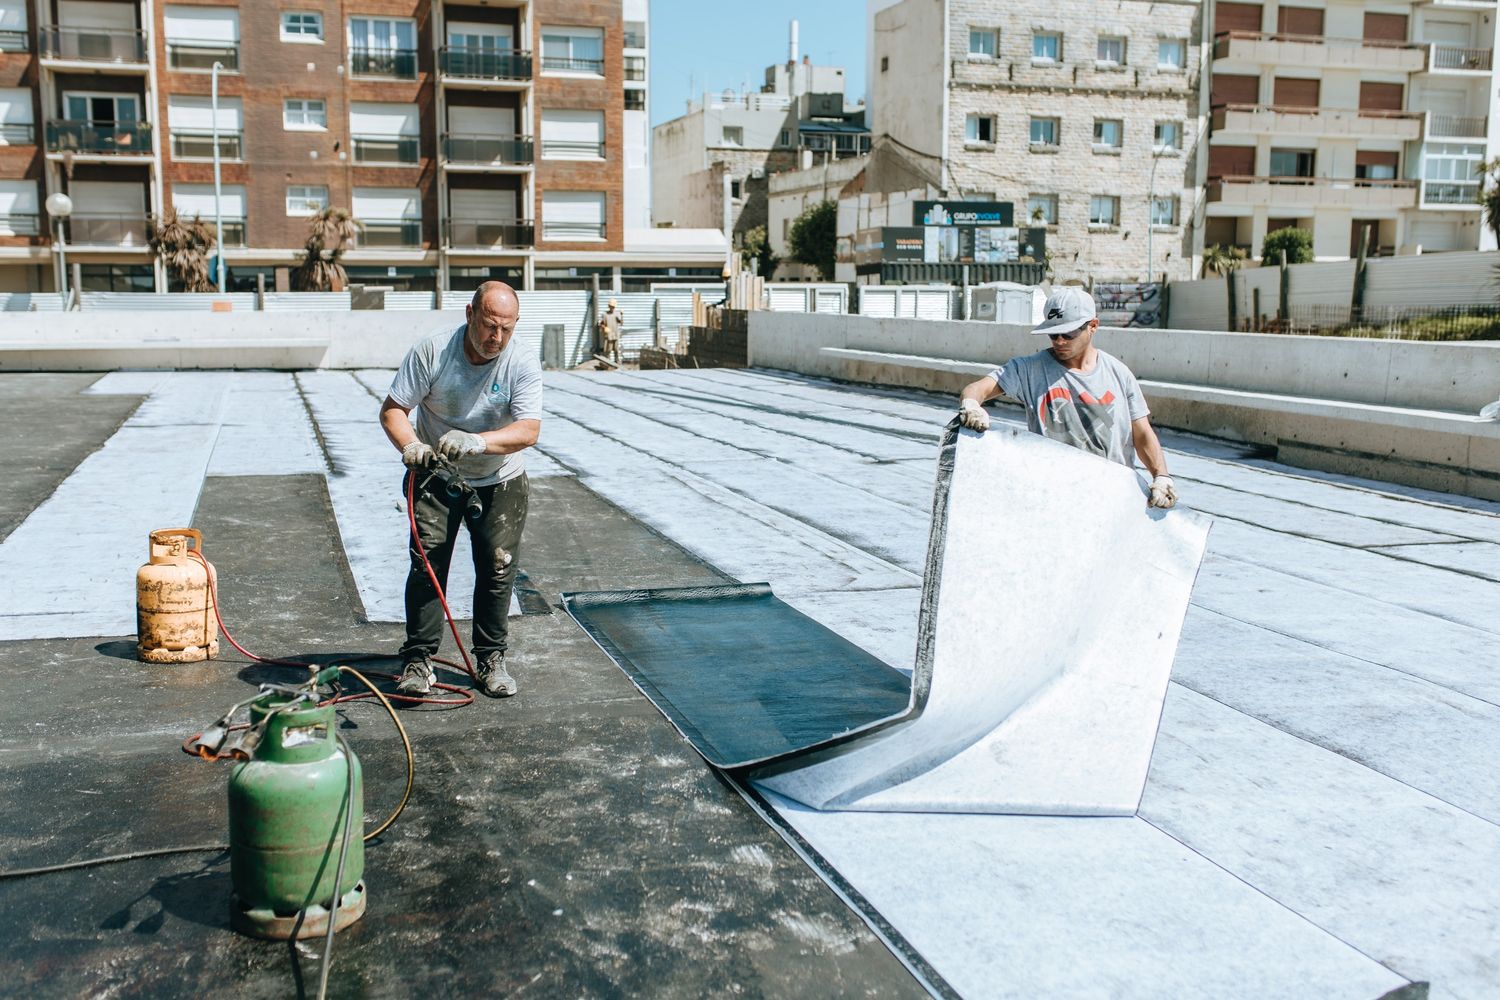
[[458, 444], [417, 455], [972, 416], [1163, 493]]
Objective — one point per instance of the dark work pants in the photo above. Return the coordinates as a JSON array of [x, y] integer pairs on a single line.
[[492, 536]]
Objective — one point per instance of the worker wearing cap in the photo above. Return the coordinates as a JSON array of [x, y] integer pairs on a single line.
[[478, 403], [610, 325], [1075, 393]]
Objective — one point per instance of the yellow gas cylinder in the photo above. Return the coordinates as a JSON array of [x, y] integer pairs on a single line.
[[174, 614]]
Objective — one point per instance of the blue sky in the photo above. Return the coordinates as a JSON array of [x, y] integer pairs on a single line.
[[722, 45]]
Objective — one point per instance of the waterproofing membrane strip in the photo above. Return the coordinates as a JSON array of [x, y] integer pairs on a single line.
[[744, 677]]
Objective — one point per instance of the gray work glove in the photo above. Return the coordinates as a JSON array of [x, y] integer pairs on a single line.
[[459, 444], [417, 455], [1163, 493], [972, 416]]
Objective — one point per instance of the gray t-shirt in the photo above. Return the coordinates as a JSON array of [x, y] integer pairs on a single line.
[[448, 393], [1089, 410]]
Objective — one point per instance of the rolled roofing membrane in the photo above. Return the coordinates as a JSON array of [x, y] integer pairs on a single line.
[[1052, 603]]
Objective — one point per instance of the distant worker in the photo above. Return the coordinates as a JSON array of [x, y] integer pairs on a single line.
[[478, 400], [1076, 394], [610, 326]]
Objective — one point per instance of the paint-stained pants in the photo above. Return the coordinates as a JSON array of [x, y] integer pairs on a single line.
[[493, 536]]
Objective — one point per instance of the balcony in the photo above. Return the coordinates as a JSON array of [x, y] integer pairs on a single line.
[[1450, 195], [1287, 194], [18, 135], [490, 234], [564, 149], [390, 234], [388, 64], [90, 230], [387, 150], [14, 41], [19, 224], [1355, 123], [463, 62], [1319, 52], [91, 138], [201, 55], [567, 64], [188, 145], [1456, 127], [1453, 59], [573, 232], [119, 46], [483, 151]]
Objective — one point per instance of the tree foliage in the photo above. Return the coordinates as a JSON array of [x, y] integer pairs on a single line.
[[1220, 259], [184, 247], [754, 245], [329, 234], [1296, 244], [814, 237], [1489, 194]]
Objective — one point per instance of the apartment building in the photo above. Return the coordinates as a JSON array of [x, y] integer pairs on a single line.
[[1358, 121], [1084, 116], [476, 139], [709, 166]]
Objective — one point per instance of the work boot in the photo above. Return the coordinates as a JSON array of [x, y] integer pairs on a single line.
[[493, 680], [416, 677]]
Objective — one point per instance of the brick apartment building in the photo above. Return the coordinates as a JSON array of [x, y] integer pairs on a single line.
[[490, 138]]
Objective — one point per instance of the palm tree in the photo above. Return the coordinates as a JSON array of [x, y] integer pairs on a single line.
[[1220, 259], [1489, 194], [184, 249], [329, 234]]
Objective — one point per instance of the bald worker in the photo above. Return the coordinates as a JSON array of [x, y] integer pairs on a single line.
[[478, 402]]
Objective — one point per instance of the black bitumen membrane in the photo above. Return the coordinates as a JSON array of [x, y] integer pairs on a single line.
[[564, 842]]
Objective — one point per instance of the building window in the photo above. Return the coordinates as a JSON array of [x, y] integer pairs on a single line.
[[385, 134], [885, 63], [1292, 162], [1171, 54], [572, 135], [1104, 210], [1046, 46], [306, 199], [1044, 131], [384, 47], [635, 34], [982, 42], [1108, 133], [573, 50], [304, 114], [1450, 172], [733, 135], [635, 69], [736, 188], [979, 128], [198, 37], [1168, 137], [1164, 211], [573, 215], [1041, 209], [785, 138], [191, 121], [635, 100], [301, 26], [1111, 51]]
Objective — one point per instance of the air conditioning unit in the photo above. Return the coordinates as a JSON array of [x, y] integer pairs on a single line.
[[757, 173]]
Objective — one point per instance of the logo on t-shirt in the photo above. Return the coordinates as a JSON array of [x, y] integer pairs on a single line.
[[1083, 422]]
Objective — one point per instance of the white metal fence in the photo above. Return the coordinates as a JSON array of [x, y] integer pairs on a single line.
[[911, 301]]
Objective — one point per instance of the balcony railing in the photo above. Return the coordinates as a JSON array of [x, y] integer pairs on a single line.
[[120, 45], [19, 224], [635, 40], [200, 145], [17, 135], [394, 64], [570, 65], [843, 145], [1319, 51], [108, 230], [472, 63], [1455, 58], [1313, 191], [108, 138], [1450, 193], [485, 234], [1457, 127], [1282, 120], [188, 54], [14, 41], [390, 233], [484, 150], [387, 150], [563, 232], [564, 149]]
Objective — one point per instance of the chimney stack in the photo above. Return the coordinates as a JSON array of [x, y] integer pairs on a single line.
[[792, 44]]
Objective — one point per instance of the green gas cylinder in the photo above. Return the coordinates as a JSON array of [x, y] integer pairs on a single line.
[[289, 807]]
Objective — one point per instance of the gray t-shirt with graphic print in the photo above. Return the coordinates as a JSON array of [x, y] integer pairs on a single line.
[[448, 393], [1089, 410]]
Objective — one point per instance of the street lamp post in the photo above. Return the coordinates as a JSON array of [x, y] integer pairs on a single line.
[[60, 206], [1151, 212], [218, 186]]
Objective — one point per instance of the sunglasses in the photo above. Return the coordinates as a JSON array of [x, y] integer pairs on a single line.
[[1065, 336]]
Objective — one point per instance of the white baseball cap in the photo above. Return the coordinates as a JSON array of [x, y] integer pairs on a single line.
[[1065, 310]]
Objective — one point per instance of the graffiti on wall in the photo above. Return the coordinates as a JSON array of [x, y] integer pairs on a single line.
[[1129, 303]]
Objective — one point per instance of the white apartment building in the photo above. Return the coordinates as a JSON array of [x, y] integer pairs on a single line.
[[1083, 115], [637, 115], [1349, 117]]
